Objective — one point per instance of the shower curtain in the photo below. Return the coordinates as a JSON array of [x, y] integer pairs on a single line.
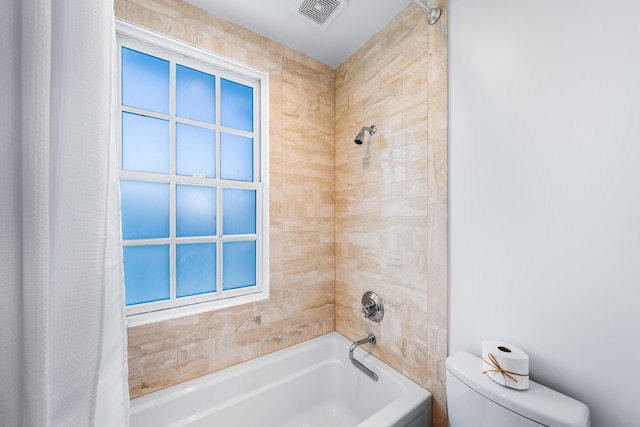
[[62, 324]]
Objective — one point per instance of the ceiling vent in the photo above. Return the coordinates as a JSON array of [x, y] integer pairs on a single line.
[[320, 12]]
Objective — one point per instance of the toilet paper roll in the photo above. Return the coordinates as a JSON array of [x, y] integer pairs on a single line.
[[506, 364]]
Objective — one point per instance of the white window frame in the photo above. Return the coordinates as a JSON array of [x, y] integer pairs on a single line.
[[175, 51]]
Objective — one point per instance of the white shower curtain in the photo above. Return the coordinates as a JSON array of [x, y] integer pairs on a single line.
[[62, 325]]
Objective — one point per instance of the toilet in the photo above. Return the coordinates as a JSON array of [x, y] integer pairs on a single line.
[[475, 400]]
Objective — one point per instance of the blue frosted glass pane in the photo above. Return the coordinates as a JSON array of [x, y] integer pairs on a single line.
[[196, 211], [238, 265], [145, 209], [236, 157], [196, 150], [238, 211], [236, 105], [145, 143], [146, 273], [195, 94], [145, 81], [195, 269]]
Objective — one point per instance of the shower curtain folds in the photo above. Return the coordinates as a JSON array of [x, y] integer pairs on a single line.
[[62, 333]]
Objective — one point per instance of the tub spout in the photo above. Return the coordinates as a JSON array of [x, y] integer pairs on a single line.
[[372, 339]]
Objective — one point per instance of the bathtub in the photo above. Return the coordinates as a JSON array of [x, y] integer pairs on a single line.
[[312, 384]]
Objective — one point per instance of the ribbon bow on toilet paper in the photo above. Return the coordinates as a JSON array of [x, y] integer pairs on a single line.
[[493, 362]]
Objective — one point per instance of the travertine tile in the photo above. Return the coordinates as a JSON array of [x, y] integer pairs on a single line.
[[437, 250], [119, 7], [162, 330], [437, 296], [170, 26], [153, 362], [157, 8], [188, 337], [135, 386], [194, 351], [165, 378], [437, 172]]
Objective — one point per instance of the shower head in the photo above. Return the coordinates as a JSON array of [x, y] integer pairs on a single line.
[[360, 136]]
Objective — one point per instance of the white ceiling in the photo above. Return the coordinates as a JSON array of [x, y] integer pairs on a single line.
[[280, 21]]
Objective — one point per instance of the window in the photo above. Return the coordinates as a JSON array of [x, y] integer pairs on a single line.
[[193, 168]]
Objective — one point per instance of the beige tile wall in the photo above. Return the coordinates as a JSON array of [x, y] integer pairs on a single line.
[[344, 218], [301, 307], [391, 197]]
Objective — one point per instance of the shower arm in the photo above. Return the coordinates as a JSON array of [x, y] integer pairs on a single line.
[[432, 14]]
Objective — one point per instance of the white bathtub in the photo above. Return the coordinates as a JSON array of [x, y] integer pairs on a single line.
[[312, 384]]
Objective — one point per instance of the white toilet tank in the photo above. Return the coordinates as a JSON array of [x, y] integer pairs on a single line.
[[475, 400]]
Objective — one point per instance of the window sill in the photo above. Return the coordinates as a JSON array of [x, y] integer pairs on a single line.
[[188, 310]]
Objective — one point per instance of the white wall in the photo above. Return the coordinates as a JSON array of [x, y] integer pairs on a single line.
[[545, 192]]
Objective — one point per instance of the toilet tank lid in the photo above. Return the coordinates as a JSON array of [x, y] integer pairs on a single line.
[[538, 403]]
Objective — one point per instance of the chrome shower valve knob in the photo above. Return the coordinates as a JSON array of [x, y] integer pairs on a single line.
[[368, 310], [372, 307]]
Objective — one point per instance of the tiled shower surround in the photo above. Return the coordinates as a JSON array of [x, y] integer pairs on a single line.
[[344, 218]]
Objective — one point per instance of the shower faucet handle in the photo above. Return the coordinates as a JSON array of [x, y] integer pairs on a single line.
[[372, 306], [368, 309]]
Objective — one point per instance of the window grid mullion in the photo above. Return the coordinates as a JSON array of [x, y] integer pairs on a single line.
[[143, 112], [256, 136], [172, 177], [259, 231], [219, 244]]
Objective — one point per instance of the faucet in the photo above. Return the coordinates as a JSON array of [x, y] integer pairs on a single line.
[[372, 339]]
